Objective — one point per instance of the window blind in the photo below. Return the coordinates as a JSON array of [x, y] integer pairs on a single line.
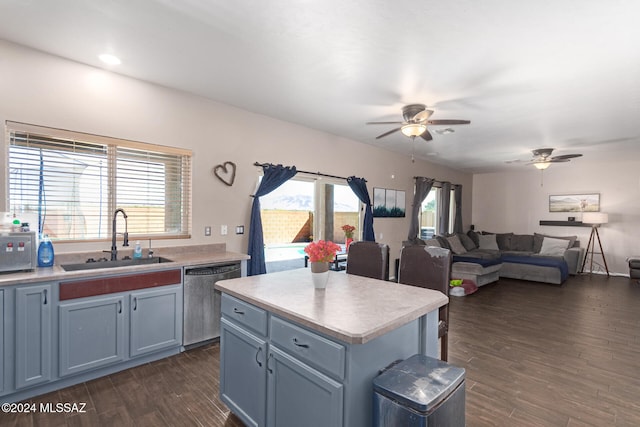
[[73, 182]]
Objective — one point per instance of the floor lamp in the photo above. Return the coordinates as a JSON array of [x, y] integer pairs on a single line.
[[595, 219]]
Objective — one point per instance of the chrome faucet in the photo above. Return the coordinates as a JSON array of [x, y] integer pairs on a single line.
[[114, 248]]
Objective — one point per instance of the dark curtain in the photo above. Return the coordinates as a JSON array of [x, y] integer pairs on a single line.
[[457, 223], [274, 177], [444, 206], [359, 187], [422, 189]]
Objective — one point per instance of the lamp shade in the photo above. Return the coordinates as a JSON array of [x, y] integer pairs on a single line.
[[595, 218]]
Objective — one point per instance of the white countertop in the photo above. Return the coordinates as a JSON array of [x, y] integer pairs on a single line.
[[353, 309], [181, 256]]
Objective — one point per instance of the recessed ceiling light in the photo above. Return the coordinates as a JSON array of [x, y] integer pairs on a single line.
[[109, 59]]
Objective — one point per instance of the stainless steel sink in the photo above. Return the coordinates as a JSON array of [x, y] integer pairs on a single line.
[[111, 264]]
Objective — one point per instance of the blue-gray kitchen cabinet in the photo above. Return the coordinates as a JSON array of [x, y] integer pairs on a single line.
[[33, 335], [243, 378], [300, 395], [156, 319], [2, 338], [273, 373], [91, 333]]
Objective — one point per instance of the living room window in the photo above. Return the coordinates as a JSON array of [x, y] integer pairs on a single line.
[[431, 213], [68, 184]]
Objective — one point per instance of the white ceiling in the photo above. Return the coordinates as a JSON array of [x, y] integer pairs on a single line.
[[549, 73]]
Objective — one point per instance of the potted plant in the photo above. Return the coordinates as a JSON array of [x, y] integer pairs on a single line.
[[321, 253]]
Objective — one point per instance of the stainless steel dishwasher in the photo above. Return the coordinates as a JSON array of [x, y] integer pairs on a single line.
[[201, 322]]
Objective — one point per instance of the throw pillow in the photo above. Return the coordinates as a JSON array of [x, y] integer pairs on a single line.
[[537, 240], [444, 243], [432, 242], [502, 239], [455, 245], [473, 236], [553, 247], [487, 241], [467, 242]]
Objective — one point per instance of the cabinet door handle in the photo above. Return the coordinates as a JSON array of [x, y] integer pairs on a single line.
[[257, 354], [236, 311], [120, 307], [135, 303], [44, 292], [295, 341], [269, 358]]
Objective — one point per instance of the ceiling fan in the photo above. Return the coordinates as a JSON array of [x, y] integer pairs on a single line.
[[416, 119], [542, 158]]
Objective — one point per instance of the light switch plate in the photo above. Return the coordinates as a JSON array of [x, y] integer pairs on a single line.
[[223, 230]]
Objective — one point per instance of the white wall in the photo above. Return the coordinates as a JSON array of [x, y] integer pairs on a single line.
[[45, 90], [516, 202]]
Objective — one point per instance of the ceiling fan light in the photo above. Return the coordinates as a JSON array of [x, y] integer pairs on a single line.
[[542, 165], [413, 129]]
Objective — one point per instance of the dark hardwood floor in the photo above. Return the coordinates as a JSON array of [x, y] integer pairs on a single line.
[[534, 354]]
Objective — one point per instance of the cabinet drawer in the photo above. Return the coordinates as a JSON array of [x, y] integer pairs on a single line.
[[317, 351], [245, 314]]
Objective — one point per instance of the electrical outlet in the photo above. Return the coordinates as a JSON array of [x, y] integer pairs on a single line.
[[380, 236], [223, 230], [239, 229], [207, 230]]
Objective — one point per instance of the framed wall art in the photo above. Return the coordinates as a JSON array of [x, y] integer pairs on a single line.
[[575, 203], [388, 203]]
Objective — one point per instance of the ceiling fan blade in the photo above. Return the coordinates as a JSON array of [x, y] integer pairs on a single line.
[[388, 133], [554, 160], [566, 156], [422, 116], [384, 123], [426, 135], [448, 122]]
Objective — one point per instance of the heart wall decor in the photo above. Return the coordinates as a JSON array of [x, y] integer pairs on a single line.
[[225, 172]]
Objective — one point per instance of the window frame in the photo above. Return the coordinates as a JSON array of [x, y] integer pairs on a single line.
[[111, 150]]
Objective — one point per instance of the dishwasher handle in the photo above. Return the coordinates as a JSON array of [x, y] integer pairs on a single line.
[[212, 269]]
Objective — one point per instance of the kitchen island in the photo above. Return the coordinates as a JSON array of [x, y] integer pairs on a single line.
[[294, 355]]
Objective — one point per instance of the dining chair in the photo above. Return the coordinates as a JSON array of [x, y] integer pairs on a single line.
[[429, 267], [368, 259]]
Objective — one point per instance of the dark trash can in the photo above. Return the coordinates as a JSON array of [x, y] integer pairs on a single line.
[[419, 392]]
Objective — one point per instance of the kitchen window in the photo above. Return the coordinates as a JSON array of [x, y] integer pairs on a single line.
[[68, 184]]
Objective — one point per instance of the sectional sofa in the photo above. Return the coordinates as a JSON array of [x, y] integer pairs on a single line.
[[485, 257]]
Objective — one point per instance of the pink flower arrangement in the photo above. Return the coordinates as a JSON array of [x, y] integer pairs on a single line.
[[321, 251], [348, 230]]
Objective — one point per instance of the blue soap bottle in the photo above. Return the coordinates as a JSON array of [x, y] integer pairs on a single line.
[[137, 252], [45, 252]]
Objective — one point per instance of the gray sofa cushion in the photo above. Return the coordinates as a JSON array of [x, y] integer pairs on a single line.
[[466, 241], [474, 237], [488, 241], [503, 240], [444, 243], [522, 242], [432, 242], [456, 245]]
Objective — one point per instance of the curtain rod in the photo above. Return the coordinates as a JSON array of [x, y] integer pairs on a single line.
[[439, 182], [311, 173]]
